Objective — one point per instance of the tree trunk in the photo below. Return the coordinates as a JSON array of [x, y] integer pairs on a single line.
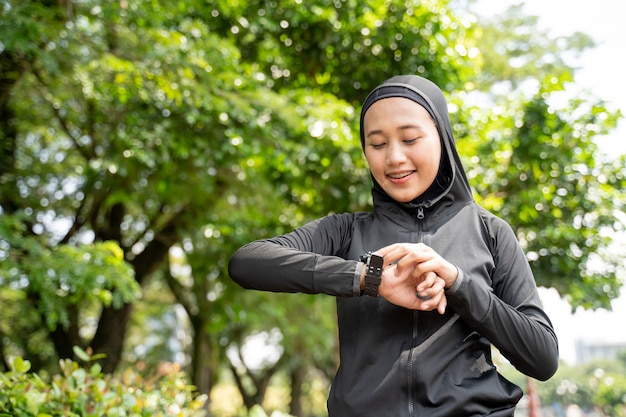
[[202, 362], [260, 381], [534, 407], [110, 336], [10, 74], [63, 339], [112, 326], [297, 379]]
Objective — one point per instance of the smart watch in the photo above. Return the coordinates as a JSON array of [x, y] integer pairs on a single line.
[[373, 273]]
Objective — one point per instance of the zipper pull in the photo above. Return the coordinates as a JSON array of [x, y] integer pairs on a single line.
[[420, 212]]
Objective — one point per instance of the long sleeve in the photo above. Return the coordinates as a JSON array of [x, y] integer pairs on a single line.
[[509, 312], [306, 260]]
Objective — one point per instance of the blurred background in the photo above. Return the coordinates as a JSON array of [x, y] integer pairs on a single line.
[[598, 69], [142, 142]]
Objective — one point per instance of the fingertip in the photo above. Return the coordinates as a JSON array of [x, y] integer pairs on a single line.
[[442, 307]]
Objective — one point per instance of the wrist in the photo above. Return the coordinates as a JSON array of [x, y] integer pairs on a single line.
[[362, 277], [452, 278]]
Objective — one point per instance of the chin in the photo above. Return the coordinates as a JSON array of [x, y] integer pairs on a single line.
[[402, 194], [404, 198]]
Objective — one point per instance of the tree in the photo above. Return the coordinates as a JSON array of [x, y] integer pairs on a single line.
[[127, 98], [131, 134], [309, 177], [131, 144], [535, 163], [598, 384]]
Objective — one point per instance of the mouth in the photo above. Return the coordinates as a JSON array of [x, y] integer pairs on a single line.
[[399, 176]]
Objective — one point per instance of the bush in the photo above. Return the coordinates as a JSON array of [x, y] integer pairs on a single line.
[[84, 391]]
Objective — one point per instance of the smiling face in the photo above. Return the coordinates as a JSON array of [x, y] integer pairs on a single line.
[[402, 147]]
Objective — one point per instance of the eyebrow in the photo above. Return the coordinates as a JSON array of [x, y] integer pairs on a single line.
[[403, 127]]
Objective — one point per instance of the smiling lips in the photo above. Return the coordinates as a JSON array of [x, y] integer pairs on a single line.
[[400, 177]]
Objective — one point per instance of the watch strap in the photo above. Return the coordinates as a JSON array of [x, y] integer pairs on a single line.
[[373, 273]]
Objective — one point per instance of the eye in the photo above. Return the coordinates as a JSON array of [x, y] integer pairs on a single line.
[[410, 141], [378, 145]]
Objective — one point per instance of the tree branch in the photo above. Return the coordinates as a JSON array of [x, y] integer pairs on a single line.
[[81, 150]]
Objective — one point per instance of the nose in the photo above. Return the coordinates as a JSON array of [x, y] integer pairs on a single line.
[[395, 154]]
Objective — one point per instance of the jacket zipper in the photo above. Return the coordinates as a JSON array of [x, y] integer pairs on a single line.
[[420, 216], [411, 380]]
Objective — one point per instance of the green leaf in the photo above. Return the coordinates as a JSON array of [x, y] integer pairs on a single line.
[[81, 354], [20, 365]]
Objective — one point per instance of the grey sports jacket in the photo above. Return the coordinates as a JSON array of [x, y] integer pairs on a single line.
[[397, 362]]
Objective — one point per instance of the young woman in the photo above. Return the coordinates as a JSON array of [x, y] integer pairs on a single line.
[[425, 284]]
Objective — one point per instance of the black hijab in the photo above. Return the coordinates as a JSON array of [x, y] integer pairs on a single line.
[[408, 86]]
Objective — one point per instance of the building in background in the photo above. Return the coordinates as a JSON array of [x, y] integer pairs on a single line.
[[587, 350]]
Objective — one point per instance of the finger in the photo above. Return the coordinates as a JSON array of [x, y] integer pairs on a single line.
[[395, 256], [427, 304], [416, 256], [426, 281], [440, 295], [443, 303], [422, 296], [438, 302], [403, 247], [387, 249], [433, 294], [427, 265]]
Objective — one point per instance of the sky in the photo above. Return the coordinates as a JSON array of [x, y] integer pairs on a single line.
[[601, 71]]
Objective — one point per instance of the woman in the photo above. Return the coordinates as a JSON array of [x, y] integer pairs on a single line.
[[425, 284]]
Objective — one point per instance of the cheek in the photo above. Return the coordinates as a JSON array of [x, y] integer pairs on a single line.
[[376, 163], [432, 156], [369, 159], [433, 160]]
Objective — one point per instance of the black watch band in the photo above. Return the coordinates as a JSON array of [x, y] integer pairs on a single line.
[[373, 273]]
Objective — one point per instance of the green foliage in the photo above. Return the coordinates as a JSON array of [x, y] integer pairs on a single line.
[[86, 392], [530, 150], [140, 137], [611, 395], [596, 384], [514, 50], [66, 276], [346, 47], [542, 172], [257, 411]]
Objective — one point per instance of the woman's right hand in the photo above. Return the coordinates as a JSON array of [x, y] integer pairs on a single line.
[[425, 292]]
